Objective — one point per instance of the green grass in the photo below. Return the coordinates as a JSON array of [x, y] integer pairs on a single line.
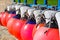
[[30, 1], [50, 2], [16, 1], [22, 1], [40, 1]]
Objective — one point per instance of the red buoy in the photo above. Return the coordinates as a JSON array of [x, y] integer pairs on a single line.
[[26, 31], [17, 28], [19, 23], [37, 27], [46, 34], [3, 18], [1, 14], [9, 16], [14, 26], [40, 21], [9, 25]]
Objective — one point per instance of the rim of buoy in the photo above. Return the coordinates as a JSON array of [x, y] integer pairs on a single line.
[[18, 16]]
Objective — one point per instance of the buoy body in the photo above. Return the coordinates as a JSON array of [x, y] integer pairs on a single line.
[[3, 18], [18, 24], [37, 27], [11, 22], [6, 16], [1, 14], [9, 25], [9, 16], [46, 34], [14, 26], [26, 31]]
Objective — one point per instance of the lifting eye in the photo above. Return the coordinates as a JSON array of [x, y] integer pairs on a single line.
[[46, 31]]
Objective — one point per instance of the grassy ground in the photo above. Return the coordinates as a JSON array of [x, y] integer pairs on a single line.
[[50, 2]]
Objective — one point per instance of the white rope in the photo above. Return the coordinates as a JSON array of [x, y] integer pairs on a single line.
[[58, 20], [30, 11], [23, 10], [37, 14], [48, 14]]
